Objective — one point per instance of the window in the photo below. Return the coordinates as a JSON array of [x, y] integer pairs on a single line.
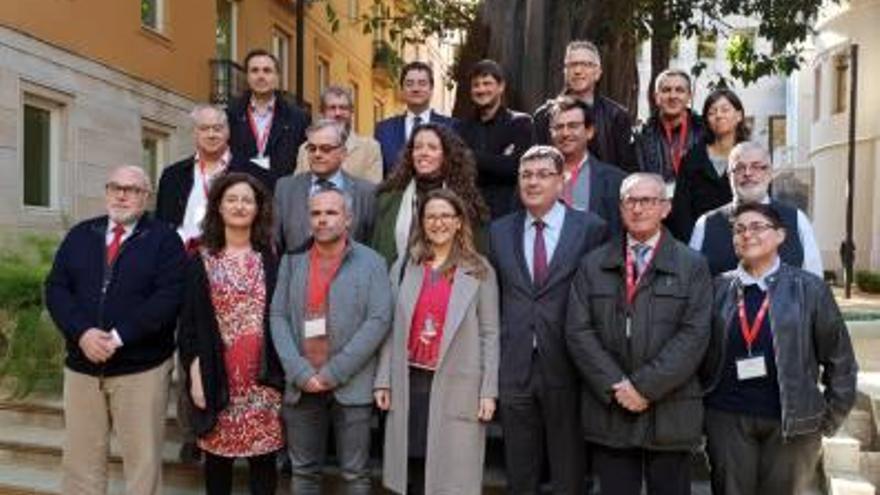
[[154, 152], [225, 31], [40, 151], [777, 133], [747, 35], [281, 50], [817, 92], [152, 13], [707, 45], [355, 97], [323, 73], [841, 83]]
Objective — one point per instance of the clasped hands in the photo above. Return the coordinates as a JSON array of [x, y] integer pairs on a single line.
[[628, 397], [98, 345]]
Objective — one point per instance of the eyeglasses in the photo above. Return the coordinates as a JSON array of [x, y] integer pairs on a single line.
[[323, 148], [630, 202], [540, 175], [440, 218], [571, 126], [211, 127], [114, 189], [337, 108], [742, 168], [581, 63], [754, 228]]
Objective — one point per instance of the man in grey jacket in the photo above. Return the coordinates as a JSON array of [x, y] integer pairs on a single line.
[[329, 316], [637, 328]]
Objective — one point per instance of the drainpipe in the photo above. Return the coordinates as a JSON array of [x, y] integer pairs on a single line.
[[848, 249], [300, 50]]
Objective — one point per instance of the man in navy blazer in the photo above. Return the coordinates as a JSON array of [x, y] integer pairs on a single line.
[[536, 253], [416, 86], [114, 293]]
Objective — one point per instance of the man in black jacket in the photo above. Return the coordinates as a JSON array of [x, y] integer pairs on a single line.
[[582, 71], [497, 135], [265, 129]]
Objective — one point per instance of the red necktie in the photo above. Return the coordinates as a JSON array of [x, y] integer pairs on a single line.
[[539, 256], [113, 248]]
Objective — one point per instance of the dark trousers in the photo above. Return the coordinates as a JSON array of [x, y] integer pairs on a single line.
[[537, 421], [308, 422], [184, 404], [262, 477], [748, 456], [622, 471]]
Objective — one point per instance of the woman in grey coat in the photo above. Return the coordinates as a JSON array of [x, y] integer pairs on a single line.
[[438, 372]]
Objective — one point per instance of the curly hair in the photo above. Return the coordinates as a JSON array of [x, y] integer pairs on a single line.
[[463, 254], [214, 230], [459, 170]]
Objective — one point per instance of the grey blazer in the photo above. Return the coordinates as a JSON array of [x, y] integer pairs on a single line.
[[359, 318], [292, 228]]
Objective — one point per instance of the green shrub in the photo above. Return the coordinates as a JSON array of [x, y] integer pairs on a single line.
[[868, 281]]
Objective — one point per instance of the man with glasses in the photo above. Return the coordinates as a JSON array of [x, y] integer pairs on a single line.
[[325, 150], [114, 292], [363, 157], [751, 173], [637, 327], [582, 70], [416, 89], [536, 253], [588, 183]]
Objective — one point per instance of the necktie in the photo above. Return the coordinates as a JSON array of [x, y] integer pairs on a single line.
[[417, 121], [640, 253], [113, 248], [539, 255]]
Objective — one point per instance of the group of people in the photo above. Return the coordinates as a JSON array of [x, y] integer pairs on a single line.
[[555, 271]]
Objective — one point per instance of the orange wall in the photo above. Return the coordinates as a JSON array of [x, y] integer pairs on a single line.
[[110, 32]]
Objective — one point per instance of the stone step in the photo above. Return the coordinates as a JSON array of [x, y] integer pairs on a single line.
[[869, 397]]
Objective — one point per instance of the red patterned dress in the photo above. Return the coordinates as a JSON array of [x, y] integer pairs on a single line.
[[251, 423]]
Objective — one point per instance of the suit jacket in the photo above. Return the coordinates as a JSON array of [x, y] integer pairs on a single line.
[[604, 185], [391, 134], [364, 159], [292, 193], [288, 132], [527, 310]]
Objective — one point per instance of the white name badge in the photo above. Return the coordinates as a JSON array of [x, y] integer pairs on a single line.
[[261, 161], [751, 367], [316, 328]]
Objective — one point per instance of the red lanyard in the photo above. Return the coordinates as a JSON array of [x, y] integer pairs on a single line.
[[676, 151], [571, 183], [632, 283], [258, 138], [322, 271], [204, 177], [750, 332]]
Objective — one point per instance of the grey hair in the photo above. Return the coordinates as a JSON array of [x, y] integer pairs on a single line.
[[337, 90], [542, 152], [745, 147], [584, 45], [203, 107], [346, 197], [320, 124], [673, 73], [632, 179], [145, 178]]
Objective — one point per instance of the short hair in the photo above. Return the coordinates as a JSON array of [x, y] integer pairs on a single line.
[[566, 103], [337, 90], [584, 45], [543, 152], [745, 147], [259, 52], [765, 210], [742, 132], [145, 177], [347, 200], [632, 179], [672, 73], [416, 65], [487, 67], [203, 107], [320, 124]]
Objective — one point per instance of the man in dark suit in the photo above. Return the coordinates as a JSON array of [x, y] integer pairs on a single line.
[[265, 129], [416, 86], [536, 254], [589, 184], [326, 151]]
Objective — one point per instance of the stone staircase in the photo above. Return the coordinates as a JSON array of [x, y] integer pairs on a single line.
[[851, 459]]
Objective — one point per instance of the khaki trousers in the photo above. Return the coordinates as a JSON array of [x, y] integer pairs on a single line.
[[133, 407]]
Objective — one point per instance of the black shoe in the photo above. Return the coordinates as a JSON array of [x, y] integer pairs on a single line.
[[190, 453]]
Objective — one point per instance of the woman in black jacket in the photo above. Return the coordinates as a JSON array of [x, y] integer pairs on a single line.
[[776, 333], [234, 376]]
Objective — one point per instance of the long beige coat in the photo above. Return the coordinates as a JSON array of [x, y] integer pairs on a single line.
[[467, 370]]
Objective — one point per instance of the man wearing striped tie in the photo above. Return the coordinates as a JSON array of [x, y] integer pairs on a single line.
[[637, 328], [114, 292]]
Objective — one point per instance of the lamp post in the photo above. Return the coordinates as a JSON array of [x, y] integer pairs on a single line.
[[848, 247]]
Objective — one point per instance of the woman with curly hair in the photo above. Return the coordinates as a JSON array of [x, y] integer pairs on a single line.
[[234, 376], [439, 367], [434, 158]]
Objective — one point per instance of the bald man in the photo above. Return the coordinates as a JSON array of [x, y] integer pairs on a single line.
[[114, 292]]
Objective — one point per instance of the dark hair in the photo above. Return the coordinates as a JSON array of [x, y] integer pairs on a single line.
[[459, 169], [543, 152], [464, 253], [566, 103], [762, 209], [213, 228], [416, 65], [259, 52], [742, 132], [487, 67]]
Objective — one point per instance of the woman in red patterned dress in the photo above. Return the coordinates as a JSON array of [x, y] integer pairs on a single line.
[[234, 379]]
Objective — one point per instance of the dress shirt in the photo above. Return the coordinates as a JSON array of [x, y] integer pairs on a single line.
[[336, 179], [129, 228], [651, 243], [262, 120], [197, 202], [553, 221], [410, 120], [746, 279]]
